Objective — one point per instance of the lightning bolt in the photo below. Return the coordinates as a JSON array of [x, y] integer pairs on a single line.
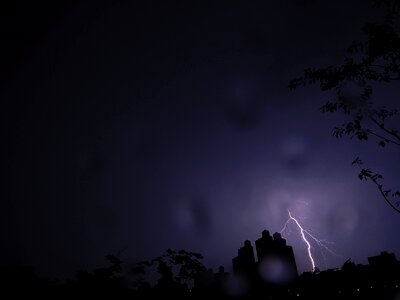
[[306, 234], [303, 237]]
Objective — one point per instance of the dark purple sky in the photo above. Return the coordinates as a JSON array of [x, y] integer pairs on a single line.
[[135, 127]]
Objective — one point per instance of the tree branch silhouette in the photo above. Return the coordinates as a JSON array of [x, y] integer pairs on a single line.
[[374, 61]]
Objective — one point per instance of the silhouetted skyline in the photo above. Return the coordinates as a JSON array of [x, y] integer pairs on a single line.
[[131, 127], [182, 275]]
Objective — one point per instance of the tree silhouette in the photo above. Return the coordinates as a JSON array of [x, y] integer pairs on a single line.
[[99, 282], [177, 270], [368, 64]]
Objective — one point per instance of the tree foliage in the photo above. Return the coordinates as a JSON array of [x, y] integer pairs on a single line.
[[369, 63], [180, 267]]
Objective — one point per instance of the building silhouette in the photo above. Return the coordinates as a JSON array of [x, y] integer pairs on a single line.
[[274, 274], [380, 279], [269, 272], [245, 261], [275, 263], [276, 248]]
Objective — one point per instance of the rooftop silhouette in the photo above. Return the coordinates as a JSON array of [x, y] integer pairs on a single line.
[[273, 275]]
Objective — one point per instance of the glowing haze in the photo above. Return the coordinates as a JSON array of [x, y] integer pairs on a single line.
[[147, 125]]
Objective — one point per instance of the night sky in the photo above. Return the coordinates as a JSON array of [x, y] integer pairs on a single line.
[[130, 127]]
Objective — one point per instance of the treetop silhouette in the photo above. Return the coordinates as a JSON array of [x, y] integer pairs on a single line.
[[368, 64]]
